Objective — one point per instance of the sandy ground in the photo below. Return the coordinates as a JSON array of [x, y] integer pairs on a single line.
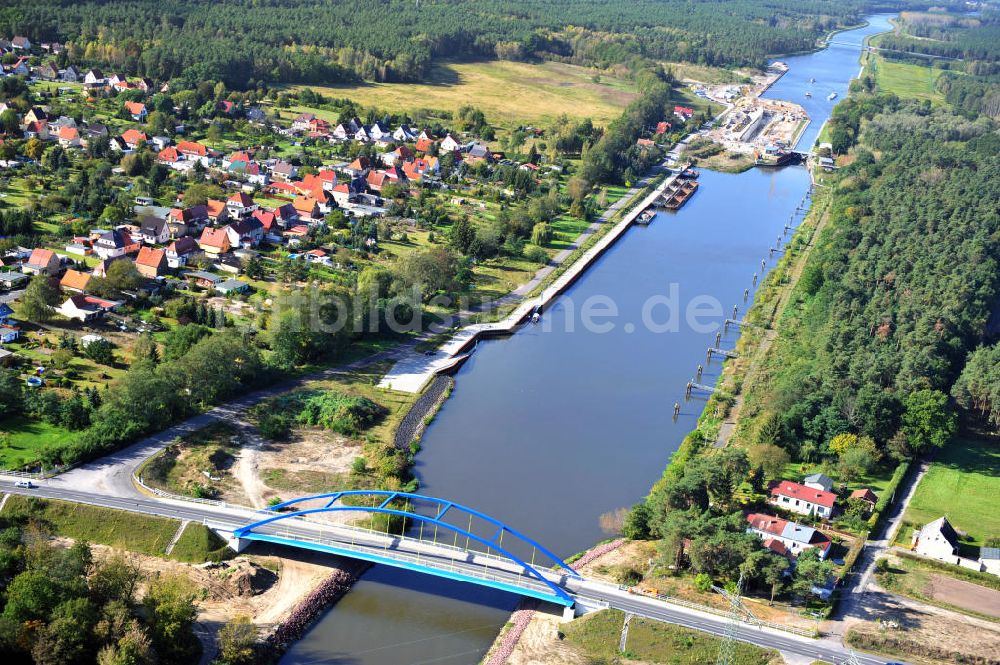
[[964, 594], [540, 644], [898, 618]]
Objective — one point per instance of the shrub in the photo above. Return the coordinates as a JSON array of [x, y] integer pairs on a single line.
[[703, 582], [341, 413]]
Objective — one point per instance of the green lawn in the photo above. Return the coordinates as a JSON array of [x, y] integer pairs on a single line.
[[105, 526], [908, 81], [598, 636], [197, 544], [27, 438], [963, 483]]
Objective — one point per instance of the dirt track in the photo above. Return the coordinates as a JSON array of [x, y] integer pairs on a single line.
[[964, 594]]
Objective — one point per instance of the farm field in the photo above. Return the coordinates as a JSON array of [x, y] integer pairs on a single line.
[[963, 484], [509, 93]]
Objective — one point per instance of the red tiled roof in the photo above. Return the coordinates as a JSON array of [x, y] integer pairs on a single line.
[[169, 154], [149, 257], [241, 198], [767, 523], [214, 238], [865, 495], [74, 279], [192, 148], [135, 108], [40, 257], [803, 493], [134, 136]]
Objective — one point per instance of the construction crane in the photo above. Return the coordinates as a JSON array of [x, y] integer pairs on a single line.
[[738, 613]]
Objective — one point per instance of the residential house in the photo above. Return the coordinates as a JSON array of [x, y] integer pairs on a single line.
[[42, 262], [256, 115], [240, 205], [194, 152], [376, 180], [8, 334], [379, 131], [95, 130], [478, 153], [645, 143], [215, 241], [662, 127], [404, 134], [246, 232], [449, 144], [71, 75], [342, 195], [793, 537], [86, 308], [180, 250], [80, 246], [217, 211], [19, 67], [133, 138], [286, 215], [48, 72], [153, 230], [819, 481], [12, 279], [114, 244], [37, 130], [683, 112], [69, 137], [170, 157], [75, 281], [397, 156], [424, 145], [937, 540], [340, 132], [301, 122], [362, 135], [284, 171], [307, 207], [225, 107], [5, 312], [358, 167], [137, 110], [268, 224], [20, 43], [803, 500], [184, 220], [36, 114], [151, 262], [94, 78], [319, 127]]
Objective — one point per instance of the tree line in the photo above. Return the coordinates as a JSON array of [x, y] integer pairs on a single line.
[[301, 41]]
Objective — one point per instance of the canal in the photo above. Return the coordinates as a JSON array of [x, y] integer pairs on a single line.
[[571, 419]]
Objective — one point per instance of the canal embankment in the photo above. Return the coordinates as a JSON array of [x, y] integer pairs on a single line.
[[412, 373]]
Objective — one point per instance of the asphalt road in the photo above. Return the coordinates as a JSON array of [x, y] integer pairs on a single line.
[[228, 518]]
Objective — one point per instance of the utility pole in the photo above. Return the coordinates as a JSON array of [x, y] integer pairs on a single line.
[[739, 612]]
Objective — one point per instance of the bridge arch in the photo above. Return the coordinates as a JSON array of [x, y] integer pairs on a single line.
[[335, 502]]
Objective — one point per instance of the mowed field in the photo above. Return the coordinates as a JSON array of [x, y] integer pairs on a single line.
[[508, 93], [908, 81], [962, 483]]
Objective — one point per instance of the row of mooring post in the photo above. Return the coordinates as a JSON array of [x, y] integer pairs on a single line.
[[717, 349]]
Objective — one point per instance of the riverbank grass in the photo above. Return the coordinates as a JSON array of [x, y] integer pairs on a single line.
[[907, 80], [598, 636], [105, 526], [198, 543]]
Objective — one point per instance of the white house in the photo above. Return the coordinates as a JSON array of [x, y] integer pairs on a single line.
[[802, 499], [449, 144], [786, 537], [404, 134], [937, 540]]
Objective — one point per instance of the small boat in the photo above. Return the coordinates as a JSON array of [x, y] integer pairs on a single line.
[[812, 80], [645, 217], [809, 94], [535, 317], [832, 95], [688, 174]]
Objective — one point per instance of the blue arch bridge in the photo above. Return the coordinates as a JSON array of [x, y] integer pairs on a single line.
[[419, 533]]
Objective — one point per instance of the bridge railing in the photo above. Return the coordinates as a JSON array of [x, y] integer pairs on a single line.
[[137, 479], [511, 578], [674, 600], [502, 560]]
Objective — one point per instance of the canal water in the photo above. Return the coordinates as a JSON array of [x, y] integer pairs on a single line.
[[571, 419]]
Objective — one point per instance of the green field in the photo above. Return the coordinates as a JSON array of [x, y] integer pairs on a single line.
[[509, 93], [26, 438], [908, 81], [963, 483], [104, 526], [598, 634]]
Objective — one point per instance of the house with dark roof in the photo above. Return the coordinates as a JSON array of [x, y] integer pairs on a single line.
[[113, 244], [180, 250], [937, 540], [153, 230]]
